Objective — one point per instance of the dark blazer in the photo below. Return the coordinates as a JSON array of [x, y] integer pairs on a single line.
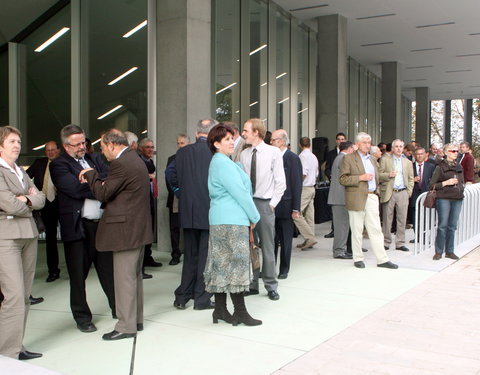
[[291, 197], [37, 171], [427, 172], [331, 155], [169, 188], [189, 179], [126, 221], [71, 193]]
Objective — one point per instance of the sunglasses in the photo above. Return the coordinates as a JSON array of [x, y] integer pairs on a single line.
[[452, 150]]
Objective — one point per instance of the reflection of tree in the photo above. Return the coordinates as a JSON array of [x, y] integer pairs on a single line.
[[436, 120], [223, 110], [476, 128]]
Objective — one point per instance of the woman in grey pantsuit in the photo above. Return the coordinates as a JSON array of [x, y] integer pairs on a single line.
[[18, 244]]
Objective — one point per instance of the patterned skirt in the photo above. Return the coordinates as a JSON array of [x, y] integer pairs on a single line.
[[228, 262]]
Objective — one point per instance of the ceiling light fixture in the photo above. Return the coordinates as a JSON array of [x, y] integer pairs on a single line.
[[425, 49], [375, 44], [281, 75], [303, 110], [258, 49], [52, 39], [122, 76], [419, 67], [264, 84], [135, 29], [98, 140], [145, 131], [38, 147], [449, 83], [226, 88], [284, 100], [474, 34], [376, 16], [252, 104], [468, 55], [458, 71], [110, 112], [312, 7], [435, 24]]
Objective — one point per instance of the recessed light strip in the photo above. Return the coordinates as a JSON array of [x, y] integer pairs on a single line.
[[376, 16], [258, 49], [458, 71], [110, 112], [252, 104], [284, 100], [135, 29], [312, 7], [419, 67], [435, 24], [226, 88], [425, 49], [375, 44], [303, 110], [98, 140], [281, 75], [122, 76], [38, 147], [52, 39], [469, 55]]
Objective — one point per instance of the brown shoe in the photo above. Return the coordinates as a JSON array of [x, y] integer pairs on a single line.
[[309, 243], [451, 256], [437, 256], [300, 245]]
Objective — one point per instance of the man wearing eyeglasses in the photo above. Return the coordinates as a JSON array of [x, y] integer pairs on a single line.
[[79, 214]]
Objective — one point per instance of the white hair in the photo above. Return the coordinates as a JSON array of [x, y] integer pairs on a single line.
[[398, 141], [131, 137], [374, 149], [361, 136]]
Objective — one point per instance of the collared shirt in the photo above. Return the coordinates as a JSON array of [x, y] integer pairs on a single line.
[[397, 165], [309, 166], [236, 141], [120, 153], [369, 168], [18, 172], [270, 174]]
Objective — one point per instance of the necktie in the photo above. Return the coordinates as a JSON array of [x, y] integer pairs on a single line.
[[420, 183], [253, 170], [48, 188]]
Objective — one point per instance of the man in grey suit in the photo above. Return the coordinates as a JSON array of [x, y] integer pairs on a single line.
[[336, 198], [239, 142]]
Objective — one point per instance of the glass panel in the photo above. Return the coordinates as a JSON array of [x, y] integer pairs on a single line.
[[437, 113], [362, 101], [371, 114], [4, 88], [476, 128], [47, 84], [457, 121], [282, 32], [112, 55], [353, 99], [258, 59], [227, 60], [303, 82], [378, 108]]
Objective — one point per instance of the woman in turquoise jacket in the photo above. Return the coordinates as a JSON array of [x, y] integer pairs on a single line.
[[232, 212]]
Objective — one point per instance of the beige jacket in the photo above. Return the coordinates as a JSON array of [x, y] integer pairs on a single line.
[[386, 186]]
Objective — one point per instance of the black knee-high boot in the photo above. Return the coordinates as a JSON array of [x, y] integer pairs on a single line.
[[240, 314], [221, 311]]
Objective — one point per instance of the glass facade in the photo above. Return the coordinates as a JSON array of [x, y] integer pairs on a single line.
[[4, 88]]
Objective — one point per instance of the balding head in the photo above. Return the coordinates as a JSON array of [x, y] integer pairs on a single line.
[[280, 139], [52, 150]]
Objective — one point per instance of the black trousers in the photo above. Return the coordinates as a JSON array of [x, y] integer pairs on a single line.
[[283, 239], [174, 234], [192, 285], [79, 256], [50, 219], [147, 254]]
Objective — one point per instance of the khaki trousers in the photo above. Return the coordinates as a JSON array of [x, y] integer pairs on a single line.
[[399, 200], [18, 259], [306, 222], [127, 275], [369, 218]]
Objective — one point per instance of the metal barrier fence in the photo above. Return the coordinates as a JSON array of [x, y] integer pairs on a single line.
[[468, 223]]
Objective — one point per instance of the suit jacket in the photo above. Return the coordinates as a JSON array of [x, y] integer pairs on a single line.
[[468, 165], [189, 178], [331, 155], [16, 219], [169, 188], [126, 222], [386, 187], [336, 194], [427, 173], [291, 198], [356, 191], [238, 150], [71, 193], [37, 171]]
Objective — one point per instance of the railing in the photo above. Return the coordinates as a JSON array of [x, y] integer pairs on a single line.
[[468, 223]]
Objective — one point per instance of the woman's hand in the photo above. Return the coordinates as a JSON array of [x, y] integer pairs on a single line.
[[32, 191], [252, 225], [450, 181], [22, 198]]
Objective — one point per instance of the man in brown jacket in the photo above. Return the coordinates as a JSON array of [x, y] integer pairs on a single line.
[[360, 176], [124, 228]]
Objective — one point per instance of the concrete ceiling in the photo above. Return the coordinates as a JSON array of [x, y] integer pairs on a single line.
[[445, 58]]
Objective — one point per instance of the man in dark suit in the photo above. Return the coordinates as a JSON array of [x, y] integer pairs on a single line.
[[124, 227], [188, 177], [79, 214], [289, 206], [172, 205], [422, 173], [39, 171]]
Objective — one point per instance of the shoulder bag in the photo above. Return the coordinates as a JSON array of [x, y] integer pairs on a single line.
[[429, 201], [254, 252]]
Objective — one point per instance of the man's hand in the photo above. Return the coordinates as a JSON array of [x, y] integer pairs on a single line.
[[416, 179], [81, 176], [365, 177], [295, 215], [392, 174]]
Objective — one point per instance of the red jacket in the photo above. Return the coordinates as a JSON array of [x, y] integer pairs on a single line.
[[468, 167]]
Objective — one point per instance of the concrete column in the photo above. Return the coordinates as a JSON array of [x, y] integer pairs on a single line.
[[183, 76], [332, 77], [422, 116], [447, 128], [391, 102], [17, 87], [468, 119]]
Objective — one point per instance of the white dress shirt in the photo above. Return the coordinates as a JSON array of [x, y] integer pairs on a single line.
[[369, 168], [17, 171], [270, 174], [309, 166]]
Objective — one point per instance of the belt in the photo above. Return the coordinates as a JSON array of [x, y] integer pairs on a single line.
[[399, 190], [371, 192], [91, 220]]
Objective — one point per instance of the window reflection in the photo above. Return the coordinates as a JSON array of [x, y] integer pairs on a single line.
[[282, 28], [303, 86], [4, 88]]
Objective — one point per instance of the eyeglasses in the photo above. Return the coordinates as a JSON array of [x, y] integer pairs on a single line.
[[452, 150], [77, 145]]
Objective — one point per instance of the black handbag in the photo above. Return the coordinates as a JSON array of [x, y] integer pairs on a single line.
[[37, 216], [430, 199]]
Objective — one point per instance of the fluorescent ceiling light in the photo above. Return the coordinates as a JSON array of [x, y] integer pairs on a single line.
[[238, 111], [226, 88], [145, 131], [38, 148], [252, 104], [264, 84], [284, 100], [122, 76], [303, 110], [98, 140], [135, 29], [52, 39], [281, 75], [258, 49], [110, 112]]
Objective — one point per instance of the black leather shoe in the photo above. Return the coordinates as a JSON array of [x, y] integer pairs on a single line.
[[344, 256], [403, 248], [364, 250], [273, 295], [209, 306], [139, 326], [412, 241], [87, 327], [329, 235], [174, 262], [282, 276], [52, 277], [152, 263], [359, 264], [386, 247], [26, 355], [179, 306], [114, 335], [251, 292], [36, 301], [388, 264], [146, 276]]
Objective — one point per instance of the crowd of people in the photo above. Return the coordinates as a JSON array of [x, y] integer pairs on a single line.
[[229, 190]]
